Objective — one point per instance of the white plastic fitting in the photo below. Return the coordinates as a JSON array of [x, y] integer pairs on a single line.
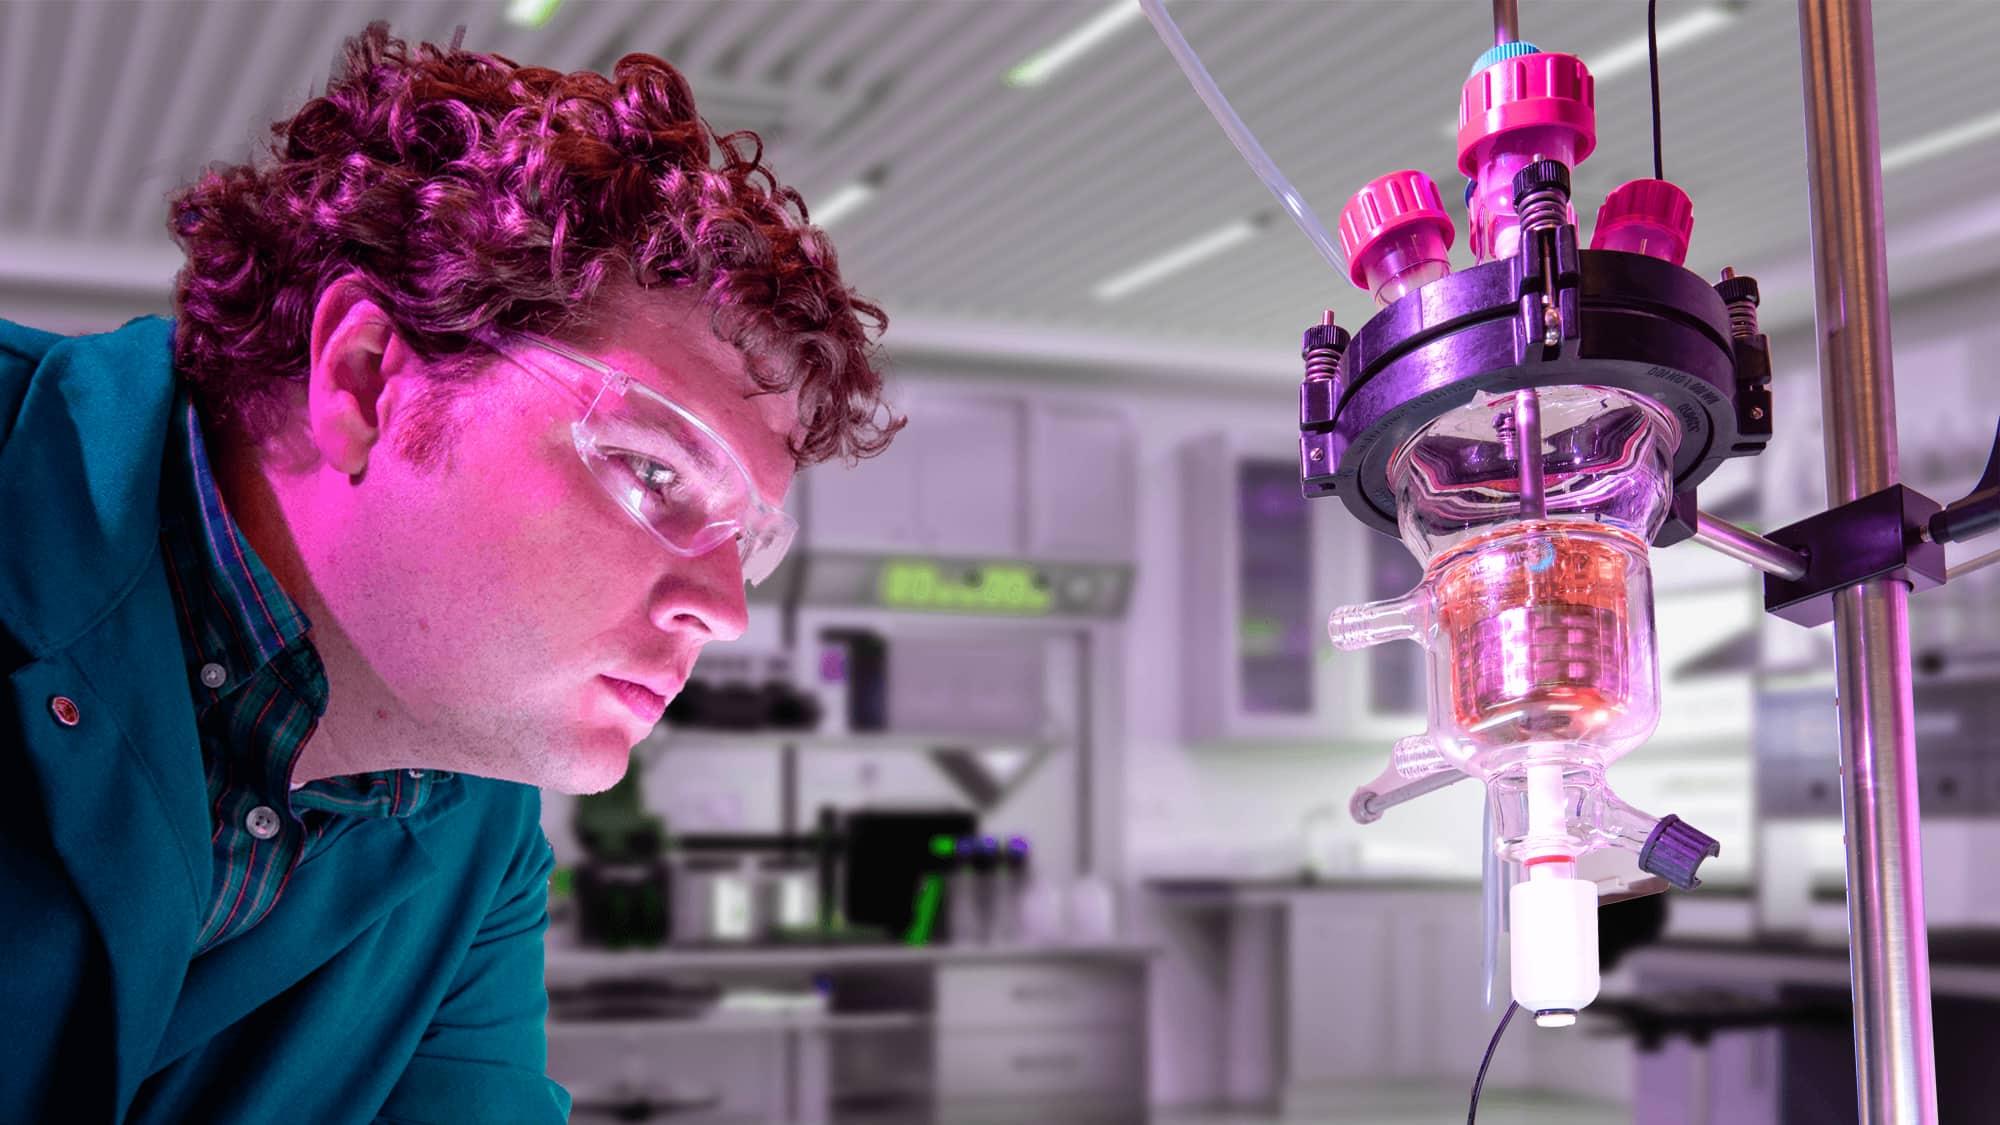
[[1554, 957]]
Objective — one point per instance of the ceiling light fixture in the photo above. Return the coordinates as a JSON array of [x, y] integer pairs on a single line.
[[846, 200], [1043, 64], [531, 13], [1949, 139], [1631, 54], [1179, 258]]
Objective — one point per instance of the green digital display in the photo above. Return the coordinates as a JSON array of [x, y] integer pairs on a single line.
[[995, 588]]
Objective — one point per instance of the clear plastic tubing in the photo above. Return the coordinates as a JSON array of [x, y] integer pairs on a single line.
[[1492, 874], [1239, 134]]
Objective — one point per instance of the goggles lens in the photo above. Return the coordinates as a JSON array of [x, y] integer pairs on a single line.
[[670, 472]]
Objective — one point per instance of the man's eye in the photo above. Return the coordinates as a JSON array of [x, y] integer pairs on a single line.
[[652, 476]]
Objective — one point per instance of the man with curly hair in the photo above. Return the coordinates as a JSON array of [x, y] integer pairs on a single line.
[[481, 400]]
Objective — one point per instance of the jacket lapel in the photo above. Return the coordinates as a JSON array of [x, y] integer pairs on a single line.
[[127, 805], [330, 900]]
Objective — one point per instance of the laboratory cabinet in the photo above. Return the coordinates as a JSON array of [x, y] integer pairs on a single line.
[[1384, 988], [985, 474], [1054, 1040], [900, 1036], [1261, 567], [1341, 997]]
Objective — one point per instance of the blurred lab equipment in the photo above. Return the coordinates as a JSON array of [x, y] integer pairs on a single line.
[[974, 862], [622, 896], [716, 900], [889, 859], [744, 692], [1093, 910]]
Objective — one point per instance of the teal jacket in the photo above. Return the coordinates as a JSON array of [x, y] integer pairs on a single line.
[[399, 977]]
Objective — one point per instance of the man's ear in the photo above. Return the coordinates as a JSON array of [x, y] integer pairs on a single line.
[[355, 353]]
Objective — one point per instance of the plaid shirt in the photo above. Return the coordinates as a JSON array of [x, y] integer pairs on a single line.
[[259, 691]]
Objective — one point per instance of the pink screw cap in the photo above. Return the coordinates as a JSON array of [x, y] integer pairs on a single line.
[[1392, 225], [1545, 90], [1651, 217]]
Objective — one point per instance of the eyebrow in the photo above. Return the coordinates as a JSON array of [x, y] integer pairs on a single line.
[[701, 460]]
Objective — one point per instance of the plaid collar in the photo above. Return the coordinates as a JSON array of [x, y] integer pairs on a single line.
[[240, 629]]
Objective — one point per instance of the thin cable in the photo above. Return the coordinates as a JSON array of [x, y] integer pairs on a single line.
[[1653, 65], [1472, 1115]]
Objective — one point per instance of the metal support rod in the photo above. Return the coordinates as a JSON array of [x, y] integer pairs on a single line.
[[1528, 454], [1953, 574], [1746, 546], [1506, 22], [1371, 801], [1889, 952]]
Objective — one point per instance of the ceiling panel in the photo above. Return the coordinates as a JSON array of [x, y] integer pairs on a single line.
[[1004, 205]]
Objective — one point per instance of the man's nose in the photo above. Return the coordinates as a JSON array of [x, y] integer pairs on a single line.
[[704, 596]]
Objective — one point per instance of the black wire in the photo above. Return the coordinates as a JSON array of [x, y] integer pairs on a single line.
[[1653, 64], [1472, 1115]]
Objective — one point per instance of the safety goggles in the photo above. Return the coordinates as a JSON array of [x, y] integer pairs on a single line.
[[666, 468]]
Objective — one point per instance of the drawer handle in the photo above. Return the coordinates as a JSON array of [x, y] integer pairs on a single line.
[[1029, 993], [1027, 1063]]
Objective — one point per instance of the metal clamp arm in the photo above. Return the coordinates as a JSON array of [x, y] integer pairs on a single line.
[[1977, 513], [1746, 546], [1392, 788]]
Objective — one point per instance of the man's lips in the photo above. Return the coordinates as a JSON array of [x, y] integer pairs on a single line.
[[644, 702]]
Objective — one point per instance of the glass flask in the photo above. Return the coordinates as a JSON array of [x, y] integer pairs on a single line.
[[1536, 615]]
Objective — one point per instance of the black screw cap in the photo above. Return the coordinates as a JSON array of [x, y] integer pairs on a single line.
[[1542, 175], [1738, 288], [1324, 336], [1675, 850]]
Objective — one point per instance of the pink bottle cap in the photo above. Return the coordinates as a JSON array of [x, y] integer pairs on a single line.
[[1651, 217], [1404, 203], [1539, 91]]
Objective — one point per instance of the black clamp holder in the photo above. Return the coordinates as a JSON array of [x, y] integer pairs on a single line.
[[1877, 536], [1896, 533]]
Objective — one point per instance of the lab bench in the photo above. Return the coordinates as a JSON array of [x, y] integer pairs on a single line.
[[864, 1035], [1793, 1065], [1335, 989]]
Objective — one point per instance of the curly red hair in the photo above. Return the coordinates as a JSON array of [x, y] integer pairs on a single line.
[[467, 191]]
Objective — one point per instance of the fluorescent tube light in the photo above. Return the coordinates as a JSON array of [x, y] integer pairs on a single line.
[[844, 201], [1945, 140], [531, 13], [1181, 257], [1043, 64], [1631, 54]]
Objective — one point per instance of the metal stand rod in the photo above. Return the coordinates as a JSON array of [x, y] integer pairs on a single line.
[[1379, 796], [1889, 953], [1747, 546], [1528, 454], [1506, 22]]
